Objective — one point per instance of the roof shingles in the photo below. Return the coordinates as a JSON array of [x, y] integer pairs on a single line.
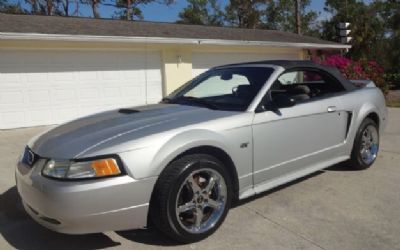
[[108, 27]]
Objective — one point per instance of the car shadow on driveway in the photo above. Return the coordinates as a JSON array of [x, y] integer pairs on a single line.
[[276, 189], [21, 232], [148, 236], [341, 167]]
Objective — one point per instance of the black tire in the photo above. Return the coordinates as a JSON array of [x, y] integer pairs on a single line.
[[356, 161], [163, 205]]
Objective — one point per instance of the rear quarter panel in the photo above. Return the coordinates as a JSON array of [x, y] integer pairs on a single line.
[[361, 103]]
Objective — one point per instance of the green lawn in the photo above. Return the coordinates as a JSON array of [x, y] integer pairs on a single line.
[[393, 103]]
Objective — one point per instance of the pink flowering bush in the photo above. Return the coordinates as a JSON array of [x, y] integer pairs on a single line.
[[357, 70]]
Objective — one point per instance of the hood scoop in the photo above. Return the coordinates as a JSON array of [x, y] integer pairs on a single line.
[[128, 111]]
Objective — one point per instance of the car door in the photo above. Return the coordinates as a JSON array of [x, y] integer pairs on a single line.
[[291, 139]]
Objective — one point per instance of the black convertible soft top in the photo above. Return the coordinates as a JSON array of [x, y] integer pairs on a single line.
[[289, 65]]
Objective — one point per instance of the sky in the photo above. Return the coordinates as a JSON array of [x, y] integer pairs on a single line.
[[162, 13]]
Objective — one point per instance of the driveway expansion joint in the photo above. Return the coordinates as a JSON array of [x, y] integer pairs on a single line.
[[285, 228]]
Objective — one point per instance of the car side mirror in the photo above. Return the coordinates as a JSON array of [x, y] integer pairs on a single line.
[[283, 101]]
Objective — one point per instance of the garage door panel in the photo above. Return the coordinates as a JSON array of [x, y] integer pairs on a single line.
[[51, 87], [62, 95], [10, 77], [153, 75], [87, 110], [132, 92], [87, 94], [132, 75], [59, 76], [35, 77], [65, 113], [11, 97], [12, 118], [87, 74], [111, 92], [38, 97], [38, 116]]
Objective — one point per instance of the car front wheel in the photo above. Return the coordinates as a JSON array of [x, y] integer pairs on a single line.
[[191, 198]]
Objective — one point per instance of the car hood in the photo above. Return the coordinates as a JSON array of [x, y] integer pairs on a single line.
[[74, 139]]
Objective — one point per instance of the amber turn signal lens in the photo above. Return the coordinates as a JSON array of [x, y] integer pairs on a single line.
[[105, 167]]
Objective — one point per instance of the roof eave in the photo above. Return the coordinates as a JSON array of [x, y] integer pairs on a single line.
[[163, 40]]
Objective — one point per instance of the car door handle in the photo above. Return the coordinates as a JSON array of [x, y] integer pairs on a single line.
[[331, 109]]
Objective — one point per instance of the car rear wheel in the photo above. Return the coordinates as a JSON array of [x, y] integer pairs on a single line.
[[366, 145], [191, 198]]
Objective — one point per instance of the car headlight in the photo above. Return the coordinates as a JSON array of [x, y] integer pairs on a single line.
[[81, 169]]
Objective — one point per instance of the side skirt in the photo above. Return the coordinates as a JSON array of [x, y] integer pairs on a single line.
[[264, 186]]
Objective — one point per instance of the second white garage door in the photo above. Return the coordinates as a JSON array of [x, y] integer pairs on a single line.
[[204, 61], [51, 87]]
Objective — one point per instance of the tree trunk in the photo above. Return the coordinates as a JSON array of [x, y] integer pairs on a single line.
[[128, 9], [298, 17], [66, 7], [94, 9], [49, 7], [76, 12], [35, 8]]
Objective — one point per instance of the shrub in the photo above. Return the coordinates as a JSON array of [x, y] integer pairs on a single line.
[[358, 70], [393, 79]]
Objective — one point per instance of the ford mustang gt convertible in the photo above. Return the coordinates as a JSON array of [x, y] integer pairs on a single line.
[[230, 133]]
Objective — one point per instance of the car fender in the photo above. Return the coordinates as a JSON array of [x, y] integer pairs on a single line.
[[151, 160], [365, 109], [183, 142]]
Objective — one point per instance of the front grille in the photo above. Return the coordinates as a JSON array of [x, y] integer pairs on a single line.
[[29, 158]]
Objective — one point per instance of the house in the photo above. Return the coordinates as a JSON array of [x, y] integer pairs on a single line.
[[53, 69]]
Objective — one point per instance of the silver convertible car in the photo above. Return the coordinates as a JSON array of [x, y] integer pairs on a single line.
[[230, 133]]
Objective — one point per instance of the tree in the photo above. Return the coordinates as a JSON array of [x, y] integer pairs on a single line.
[[298, 16], [94, 6], [367, 28], [35, 6], [202, 12], [243, 13], [7, 7], [42, 7], [281, 15], [273, 14], [389, 12], [64, 8], [50, 7], [130, 9], [375, 28]]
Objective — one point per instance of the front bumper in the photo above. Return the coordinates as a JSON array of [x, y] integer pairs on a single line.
[[80, 207]]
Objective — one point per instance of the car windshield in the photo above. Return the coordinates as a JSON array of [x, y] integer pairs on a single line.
[[222, 89]]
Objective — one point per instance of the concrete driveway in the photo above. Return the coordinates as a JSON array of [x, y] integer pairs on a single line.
[[331, 209]]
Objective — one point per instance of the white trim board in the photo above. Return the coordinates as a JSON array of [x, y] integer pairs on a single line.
[[163, 40]]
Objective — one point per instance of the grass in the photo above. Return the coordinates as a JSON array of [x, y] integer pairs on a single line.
[[393, 98], [393, 103]]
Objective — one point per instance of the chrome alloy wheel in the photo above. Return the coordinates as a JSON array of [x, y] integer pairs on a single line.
[[369, 144], [201, 200]]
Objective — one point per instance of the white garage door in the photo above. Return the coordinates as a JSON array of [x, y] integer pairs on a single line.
[[204, 61], [51, 87]]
